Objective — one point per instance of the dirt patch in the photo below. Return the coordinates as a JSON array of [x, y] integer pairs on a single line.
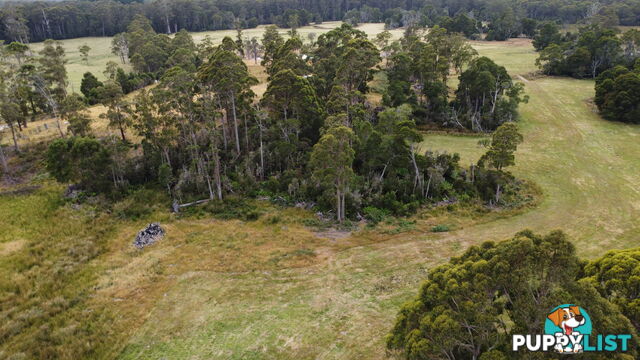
[[11, 247], [332, 234]]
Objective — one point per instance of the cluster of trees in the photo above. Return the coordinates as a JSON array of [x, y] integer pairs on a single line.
[[593, 50], [470, 307], [312, 136], [618, 94], [31, 84], [418, 69], [36, 21], [601, 53]]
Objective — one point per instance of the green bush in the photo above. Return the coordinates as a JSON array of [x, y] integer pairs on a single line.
[[375, 215], [233, 208], [139, 204], [440, 228]]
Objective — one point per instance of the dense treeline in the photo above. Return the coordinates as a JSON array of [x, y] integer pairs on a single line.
[[600, 52], [37, 21], [470, 307], [313, 136], [586, 54]]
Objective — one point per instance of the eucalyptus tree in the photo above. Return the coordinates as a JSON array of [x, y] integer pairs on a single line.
[[18, 50], [84, 52], [293, 106], [3, 158], [120, 47], [487, 96], [331, 164], [469, 307], [228, 75], [73, 110], [52, 66], [111, 96], [504, 142]]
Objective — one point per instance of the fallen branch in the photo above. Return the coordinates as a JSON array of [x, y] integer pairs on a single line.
[[176, 207]]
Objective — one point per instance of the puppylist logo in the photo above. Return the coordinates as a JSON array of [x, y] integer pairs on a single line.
[[567, 329]]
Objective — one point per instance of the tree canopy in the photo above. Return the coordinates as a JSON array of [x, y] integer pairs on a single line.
[[470, 306]]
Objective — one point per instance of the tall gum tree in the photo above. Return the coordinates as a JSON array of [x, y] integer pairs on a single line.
[[331, 163]]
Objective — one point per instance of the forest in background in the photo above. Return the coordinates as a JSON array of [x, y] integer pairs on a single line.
[[40, 20]]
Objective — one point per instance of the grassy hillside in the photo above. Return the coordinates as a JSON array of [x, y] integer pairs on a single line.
[[343, 306], [99, 55], [275, 288]]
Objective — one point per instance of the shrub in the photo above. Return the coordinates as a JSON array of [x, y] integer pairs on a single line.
[[440, 228], [233, 208], [374, 215], [139, 204]]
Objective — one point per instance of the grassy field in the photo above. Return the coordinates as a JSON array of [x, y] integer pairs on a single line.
[[99, 55], [342, 306], [273, 288]]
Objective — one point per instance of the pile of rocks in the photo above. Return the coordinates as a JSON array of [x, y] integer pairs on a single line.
[[149, 235]]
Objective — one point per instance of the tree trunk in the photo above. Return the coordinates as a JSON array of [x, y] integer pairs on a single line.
[[339, 207], [216, 173], [426, 194], [246, 133], [261, 155], [224, 123], [124, 139], [3, 162], [235, 122], [15, 139], [418, 180]]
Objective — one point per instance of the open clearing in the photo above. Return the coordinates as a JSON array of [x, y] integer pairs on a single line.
[[267, 289]]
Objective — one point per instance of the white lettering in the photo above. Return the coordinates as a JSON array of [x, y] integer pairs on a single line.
[[531, 345], [548, 341], [518, 340]]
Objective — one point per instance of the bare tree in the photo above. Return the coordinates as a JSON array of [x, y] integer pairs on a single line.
[[44, 90]]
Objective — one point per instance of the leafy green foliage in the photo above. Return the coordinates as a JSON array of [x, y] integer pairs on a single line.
[[471, 305], [440, 228], [82, 160], [618, 94], [331, 162], [374, 214], [487, 95], [593, 50], [616, 275], [234, 208], [461, 23], [88, 87], [504, 142], [548, 34]]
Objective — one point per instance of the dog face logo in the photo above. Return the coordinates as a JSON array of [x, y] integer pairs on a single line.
[[568, 323], [567, 318]]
